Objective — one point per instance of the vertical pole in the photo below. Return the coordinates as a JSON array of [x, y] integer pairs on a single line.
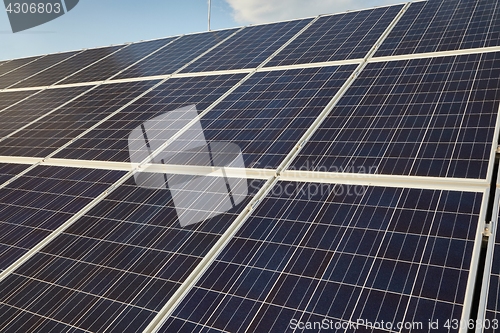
[[209, 10]]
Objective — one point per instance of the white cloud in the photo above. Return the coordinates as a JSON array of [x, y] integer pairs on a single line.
[[262, 11]]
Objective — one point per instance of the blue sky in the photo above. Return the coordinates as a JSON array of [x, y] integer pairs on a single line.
[[95, 23]]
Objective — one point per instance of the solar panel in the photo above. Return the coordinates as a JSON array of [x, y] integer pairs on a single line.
[[338, 37], [15, 64], [41, 64], [176, 55], [19, 115], [40, 201], [50, 133], [249, 48], [109, 141], [489, 306], [115, 267], [7, 171], [4, 62], [423, 117], [313, 251], [117, 62], [433, 26], [169, 205], [266, 116], [62, 70]]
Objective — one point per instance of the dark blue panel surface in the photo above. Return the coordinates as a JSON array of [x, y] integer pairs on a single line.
[[176, 55], [21, 114], [248, 48], [109, 141], [342, 253], [41, 64], [7, 171], [491, 302], [117, 62], [119, 264], [338, 37], [40, 201], [58, 128], [9, 98], [266, 116], [67, 68], [424, 117], [16, 63], [443, 25]]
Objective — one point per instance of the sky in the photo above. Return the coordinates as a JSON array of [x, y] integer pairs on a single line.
[[94, 23]]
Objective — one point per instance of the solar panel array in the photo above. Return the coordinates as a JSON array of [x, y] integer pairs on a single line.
[[324, 174]]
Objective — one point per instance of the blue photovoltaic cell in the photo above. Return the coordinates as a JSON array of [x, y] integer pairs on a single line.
[[423, 117], [248, 48], [53, 131], [41, 64], [266, 116], [16, 63], [64, 69], [116, 267], [176, 55], [109, 141], [8, 98], [21, 114], [338, 37], [443, 25], [117, 62], [40, 201], [321, 251], [8, 171]]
